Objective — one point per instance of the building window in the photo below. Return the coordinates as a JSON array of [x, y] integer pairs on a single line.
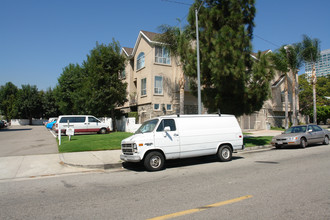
[[140, 61], [143, 86], [158, 85], [123, 74], [156, 107], [162, 55], [168, 107]]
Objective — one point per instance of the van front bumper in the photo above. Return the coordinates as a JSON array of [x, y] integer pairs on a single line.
[[130, 158]]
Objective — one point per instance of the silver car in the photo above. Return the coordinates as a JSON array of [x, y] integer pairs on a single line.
[[301, 135]]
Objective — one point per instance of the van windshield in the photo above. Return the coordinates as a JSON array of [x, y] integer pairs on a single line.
[[147, 126]]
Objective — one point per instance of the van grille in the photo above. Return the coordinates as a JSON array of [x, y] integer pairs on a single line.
[[127, 149]]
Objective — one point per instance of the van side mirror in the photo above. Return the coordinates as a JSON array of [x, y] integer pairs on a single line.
[[167, 129]]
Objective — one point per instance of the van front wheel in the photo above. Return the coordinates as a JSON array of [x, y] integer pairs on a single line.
[[225, 153], [154, 161], [103, 131]]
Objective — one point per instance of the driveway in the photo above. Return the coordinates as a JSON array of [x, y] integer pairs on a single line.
[[26, 140]]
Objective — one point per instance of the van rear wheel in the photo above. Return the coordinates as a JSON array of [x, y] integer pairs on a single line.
[[154, 161], [225, 153]]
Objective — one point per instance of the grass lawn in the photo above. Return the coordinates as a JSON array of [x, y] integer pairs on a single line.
[[92, 142], [95, 142], [277, 129], [257, 141]]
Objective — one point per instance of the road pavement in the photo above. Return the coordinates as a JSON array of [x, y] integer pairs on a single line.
[[51, 164], [26, 140], [290, 183]]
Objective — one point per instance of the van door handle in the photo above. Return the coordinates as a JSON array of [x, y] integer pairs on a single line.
[[176, 135]]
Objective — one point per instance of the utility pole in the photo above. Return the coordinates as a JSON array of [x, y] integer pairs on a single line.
[[199, 99]]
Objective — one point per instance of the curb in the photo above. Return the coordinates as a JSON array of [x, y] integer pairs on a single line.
[[94, 166], [249, 149]]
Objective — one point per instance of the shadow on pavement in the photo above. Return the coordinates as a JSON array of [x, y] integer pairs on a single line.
[[138, 167], [15, 129], [296, 147]]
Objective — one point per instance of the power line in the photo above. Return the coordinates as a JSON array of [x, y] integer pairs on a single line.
[[267, 41], [177, 2], [179, 22]]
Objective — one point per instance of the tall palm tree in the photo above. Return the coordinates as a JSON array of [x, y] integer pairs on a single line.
[[279, 58], [287, 59], [294, 63], [311, 53], [177, 41]]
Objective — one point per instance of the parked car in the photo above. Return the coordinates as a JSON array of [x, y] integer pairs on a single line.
[[302, 136], [2, 124], [183, 136], [49, 120], [81, 124], [49, 125]]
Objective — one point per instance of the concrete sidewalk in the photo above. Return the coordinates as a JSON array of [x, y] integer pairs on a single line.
[[31, 166], [263, 133]]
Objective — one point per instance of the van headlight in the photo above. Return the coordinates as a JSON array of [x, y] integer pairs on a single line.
[[134, 148]]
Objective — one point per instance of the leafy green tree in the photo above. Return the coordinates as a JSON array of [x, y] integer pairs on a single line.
[[311, 53], [67, 92], [306, 95], [230, 79], [323, 113], [94, 87], [49, 105], [102, 88], [8, 94], [29, 103]]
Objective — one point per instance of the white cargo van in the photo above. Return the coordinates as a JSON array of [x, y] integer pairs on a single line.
[[182, 136], [82, 124]]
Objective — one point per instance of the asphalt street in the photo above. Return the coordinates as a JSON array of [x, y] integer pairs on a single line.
[[26, 140], [290, 183]]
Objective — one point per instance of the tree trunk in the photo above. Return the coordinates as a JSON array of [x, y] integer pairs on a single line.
[[314, 104], [182, 82], [314, 95], [114, 125], [294, 115], [286, 102]]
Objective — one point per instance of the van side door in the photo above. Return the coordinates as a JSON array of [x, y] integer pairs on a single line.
[[167, 138], [93, 124]]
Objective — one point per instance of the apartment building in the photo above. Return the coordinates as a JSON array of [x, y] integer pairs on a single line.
[[272, 112], [154, 77], [153, 80], [322, 66]]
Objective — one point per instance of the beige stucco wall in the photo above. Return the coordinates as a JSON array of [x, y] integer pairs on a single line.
[[171, 74]]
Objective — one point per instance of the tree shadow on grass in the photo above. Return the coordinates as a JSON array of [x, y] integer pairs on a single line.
[[257, 141]]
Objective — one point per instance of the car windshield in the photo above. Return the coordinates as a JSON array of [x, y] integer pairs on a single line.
[[147, 126], [296, 129]]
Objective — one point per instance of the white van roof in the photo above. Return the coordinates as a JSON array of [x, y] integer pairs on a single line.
[[75, 116], [195, 116]]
